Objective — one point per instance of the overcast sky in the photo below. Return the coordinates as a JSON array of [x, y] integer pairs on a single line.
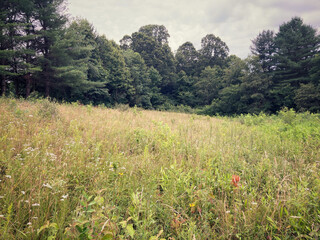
[[236, 22]]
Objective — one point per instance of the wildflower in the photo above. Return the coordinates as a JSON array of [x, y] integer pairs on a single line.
[[235, 180], [23, 192], [192, 205], [227, 211], [254, 203], [1, 216], [29, 223], [65, 196], [35, 205], [47, 185], [120, 173], [8, 176], [1, 197]]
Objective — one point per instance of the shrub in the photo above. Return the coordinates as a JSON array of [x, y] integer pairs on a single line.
[[48, 109]]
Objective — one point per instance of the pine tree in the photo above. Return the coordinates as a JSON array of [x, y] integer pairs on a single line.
[[264, 47], [50, 22], [296, 45]]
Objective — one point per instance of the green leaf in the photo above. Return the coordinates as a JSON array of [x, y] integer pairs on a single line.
[[108, 236], [130, 230], [79, 229], [43, 227], [123, 224], [54, 225], [99, 200]]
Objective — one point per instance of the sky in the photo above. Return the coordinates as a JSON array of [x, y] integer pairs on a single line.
[[236, 22]]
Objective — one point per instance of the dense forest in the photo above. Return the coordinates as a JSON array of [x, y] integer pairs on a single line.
[[43, 53]]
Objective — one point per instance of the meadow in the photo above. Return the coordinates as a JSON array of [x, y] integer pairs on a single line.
[[69, 171]]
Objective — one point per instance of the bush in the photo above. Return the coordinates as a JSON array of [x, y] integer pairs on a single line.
[[48, 109], [288, 116]]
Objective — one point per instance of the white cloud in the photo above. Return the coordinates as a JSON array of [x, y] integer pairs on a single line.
[[235, 22]]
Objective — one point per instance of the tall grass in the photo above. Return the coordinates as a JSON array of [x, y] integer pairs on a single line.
[[84, 172]]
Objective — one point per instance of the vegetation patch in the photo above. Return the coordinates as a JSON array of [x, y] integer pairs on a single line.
[[101, 173]]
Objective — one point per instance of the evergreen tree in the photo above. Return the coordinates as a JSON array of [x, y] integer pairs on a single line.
[[296, 45], [69, 57], [15, 51], [264, 47], [50, 22]]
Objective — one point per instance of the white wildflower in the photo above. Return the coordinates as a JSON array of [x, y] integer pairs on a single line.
[[35, 205], [254, 203], [47, 185], [8, 176], [30, 115], [23, 192], [29, 223], [227, 211], [26, 201], [65, 196]]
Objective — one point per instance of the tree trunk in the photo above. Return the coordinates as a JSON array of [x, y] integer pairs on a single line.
[[16, 86], [47, 90], [3, 85], [28, 84]]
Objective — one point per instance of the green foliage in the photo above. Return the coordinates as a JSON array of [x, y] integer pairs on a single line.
[[187, 59], [213, 51], [264, 47]]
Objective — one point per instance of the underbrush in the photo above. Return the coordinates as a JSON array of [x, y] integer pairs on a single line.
[[82, 172]]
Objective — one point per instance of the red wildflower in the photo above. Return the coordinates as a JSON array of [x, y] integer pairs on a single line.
[[235, 180]]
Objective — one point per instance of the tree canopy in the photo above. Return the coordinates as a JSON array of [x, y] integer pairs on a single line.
[[42, 52]]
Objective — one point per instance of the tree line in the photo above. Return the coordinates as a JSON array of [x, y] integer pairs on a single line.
[[44, 53]]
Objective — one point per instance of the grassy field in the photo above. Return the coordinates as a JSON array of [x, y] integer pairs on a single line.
[[81, 172]]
